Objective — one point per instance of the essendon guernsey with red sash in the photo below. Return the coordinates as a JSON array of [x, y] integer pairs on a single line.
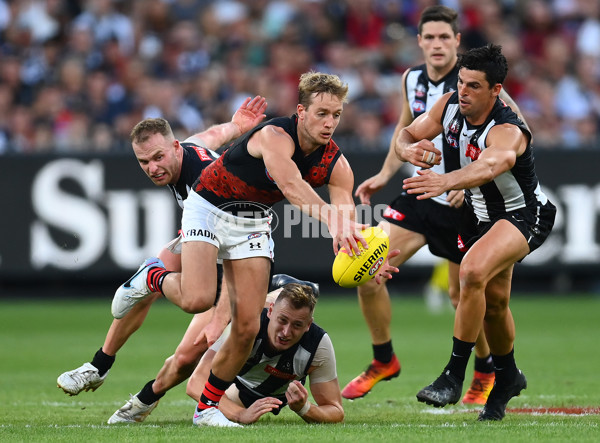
[[237, 176]]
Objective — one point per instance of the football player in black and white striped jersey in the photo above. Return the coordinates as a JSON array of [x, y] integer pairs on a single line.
[[506, 216], [411, 223]]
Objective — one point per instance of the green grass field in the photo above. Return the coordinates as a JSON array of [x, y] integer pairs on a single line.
[[557, 348]]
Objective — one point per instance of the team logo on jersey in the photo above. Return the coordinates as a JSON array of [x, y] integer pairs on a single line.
[[203, 154], [472, 152], [269, 176], [255, 235], [452, 135], [420, 90], [452, 141], [454, 126], [393, 214], [418, 106], [279, 374]]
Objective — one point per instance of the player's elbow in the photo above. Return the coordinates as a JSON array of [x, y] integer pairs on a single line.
[[332, 413], [337, 415]]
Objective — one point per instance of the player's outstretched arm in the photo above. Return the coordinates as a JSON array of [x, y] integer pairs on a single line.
[[276, 149], [392, 163], [247, 116]]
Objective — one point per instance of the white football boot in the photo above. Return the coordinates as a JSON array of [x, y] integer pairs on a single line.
[[134, 411], [213, 417], [134, 290], [83, 378]]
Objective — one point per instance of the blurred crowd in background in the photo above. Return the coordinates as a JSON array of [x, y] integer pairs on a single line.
[[76, 76]]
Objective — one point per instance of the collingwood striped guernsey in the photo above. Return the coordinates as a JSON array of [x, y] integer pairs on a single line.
[[422, 93], [514, 189], [268, 375]]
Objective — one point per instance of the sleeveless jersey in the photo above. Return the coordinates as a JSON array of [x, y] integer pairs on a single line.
[[514, 189], [237, 176], [422, 93], [195, 159], [266, 375]]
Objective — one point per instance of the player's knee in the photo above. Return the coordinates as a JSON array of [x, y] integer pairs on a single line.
[[197, 302], [472, 275], [369, 289], [185, 362], [495, 307], [245, 332]]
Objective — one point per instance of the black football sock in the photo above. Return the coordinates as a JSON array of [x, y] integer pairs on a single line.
[[485, 365], [102, 361], [383, 352], [461, 351], [147, 395], [505, 366]]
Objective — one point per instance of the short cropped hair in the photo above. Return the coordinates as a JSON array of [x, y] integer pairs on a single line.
[[319, 83], [148, 127], [487, 59], [439, 13], [299, 296]]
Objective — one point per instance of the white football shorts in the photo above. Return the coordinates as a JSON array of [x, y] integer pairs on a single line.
[[234, 237]]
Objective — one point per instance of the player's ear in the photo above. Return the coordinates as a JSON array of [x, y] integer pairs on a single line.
[[270, 311], [496, 89], [300, 110]]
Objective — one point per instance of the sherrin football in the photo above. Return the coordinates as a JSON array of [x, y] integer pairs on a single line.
[[352, 271]]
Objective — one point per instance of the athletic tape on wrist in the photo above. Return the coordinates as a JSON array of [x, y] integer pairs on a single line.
[[302, 412]]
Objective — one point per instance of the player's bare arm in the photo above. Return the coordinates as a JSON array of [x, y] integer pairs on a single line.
[[328, 408], [276, 148], [505, 143], [247, 116], [392, 163], [340, 187], [414, 144]]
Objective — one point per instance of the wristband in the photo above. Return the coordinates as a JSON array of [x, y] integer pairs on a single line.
[[302, 412]]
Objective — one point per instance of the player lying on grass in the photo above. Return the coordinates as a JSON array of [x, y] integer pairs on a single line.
[[288, 348], [167, 162], [180, 365]]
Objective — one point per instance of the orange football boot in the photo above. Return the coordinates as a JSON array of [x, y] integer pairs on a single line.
[[480, 388], [377, 371]]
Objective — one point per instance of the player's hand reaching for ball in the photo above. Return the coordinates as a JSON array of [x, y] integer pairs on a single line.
[[346, 233], [386, 270]]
